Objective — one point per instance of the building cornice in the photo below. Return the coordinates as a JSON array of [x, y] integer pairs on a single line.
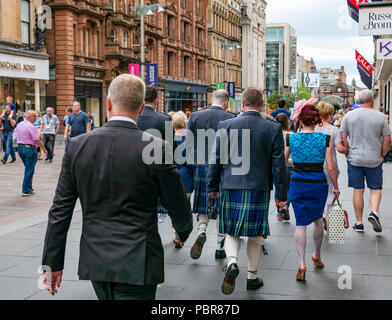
[[24, 53]]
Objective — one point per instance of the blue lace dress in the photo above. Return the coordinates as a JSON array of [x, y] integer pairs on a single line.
[[308, 185]]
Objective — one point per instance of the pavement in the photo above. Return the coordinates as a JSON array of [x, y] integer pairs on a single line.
[[23, 225]]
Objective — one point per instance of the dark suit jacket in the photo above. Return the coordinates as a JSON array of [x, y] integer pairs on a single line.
[[266, 155], [205, 119], [151, 119], [118, 193]]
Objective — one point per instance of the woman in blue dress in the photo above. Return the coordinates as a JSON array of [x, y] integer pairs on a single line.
[[308, 186]]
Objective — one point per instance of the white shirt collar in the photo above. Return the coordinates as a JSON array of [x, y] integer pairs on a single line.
[[121, 118]]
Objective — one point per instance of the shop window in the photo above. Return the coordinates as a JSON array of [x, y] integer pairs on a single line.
[[25, 18], [125, 40], [113, 35]]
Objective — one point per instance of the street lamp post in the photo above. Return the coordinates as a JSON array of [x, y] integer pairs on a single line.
[[227, 47], [145, 10]]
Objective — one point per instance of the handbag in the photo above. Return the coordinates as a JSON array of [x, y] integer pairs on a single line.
[[337, 221]]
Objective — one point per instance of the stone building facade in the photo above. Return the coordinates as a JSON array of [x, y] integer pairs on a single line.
[[253, 21], [224, 27], [93, 41], [24, 66]]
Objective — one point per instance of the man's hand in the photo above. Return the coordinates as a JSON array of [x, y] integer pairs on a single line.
[[65, 138], [280, 204], [45, 151], [51, 280]]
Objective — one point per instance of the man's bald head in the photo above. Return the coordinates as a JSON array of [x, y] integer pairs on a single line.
[[31, 115], [126, 93]]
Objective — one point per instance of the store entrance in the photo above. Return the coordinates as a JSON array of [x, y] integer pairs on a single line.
[[89, 94]]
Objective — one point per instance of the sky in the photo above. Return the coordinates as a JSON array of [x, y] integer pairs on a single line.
[[325, 32]]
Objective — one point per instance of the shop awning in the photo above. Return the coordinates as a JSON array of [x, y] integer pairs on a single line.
[[385, 70], [181, 86]]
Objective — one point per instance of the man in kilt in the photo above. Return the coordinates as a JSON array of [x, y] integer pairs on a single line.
[[152, 119], [245, 194], [205, 122]]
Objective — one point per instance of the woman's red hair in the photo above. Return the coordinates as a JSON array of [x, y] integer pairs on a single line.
[[309, 116]]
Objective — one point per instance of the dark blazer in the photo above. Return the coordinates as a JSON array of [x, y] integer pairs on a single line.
[[266, 156], [119, 194], [205, 119], [151, 119]]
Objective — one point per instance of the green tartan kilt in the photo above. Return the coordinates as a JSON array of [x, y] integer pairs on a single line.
[[244, 213]]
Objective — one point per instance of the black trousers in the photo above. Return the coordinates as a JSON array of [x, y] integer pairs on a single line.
[[49, 144], [123, 291]]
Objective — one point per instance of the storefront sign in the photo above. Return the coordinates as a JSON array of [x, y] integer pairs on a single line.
[[152, 75], [365, 70], [375, 21], [134, 69], [90, 74], [231, 90], [219, 86], [384, 49], [13, 66]]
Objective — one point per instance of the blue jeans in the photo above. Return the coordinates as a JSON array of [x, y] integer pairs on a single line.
[[29, 158], [289, 170], [9, 150]]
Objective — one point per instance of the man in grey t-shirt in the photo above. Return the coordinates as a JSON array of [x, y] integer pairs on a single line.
[[50, 125], [366, 132]]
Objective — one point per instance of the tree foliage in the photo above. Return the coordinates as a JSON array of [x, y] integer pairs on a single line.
[[303, 93], [273, 98]]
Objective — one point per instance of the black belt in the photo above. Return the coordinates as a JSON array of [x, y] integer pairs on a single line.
[[22, 144]]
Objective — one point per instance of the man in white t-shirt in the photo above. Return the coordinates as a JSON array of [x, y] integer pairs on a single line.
[[367, 134]]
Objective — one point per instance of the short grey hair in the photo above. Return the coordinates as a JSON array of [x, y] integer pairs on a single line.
[[127, 93], [220, 96], [365, 96], [28, 113]]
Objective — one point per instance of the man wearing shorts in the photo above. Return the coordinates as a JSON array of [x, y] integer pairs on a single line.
[[367, 134]]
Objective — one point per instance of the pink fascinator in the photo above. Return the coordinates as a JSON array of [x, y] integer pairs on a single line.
[[299, 105]]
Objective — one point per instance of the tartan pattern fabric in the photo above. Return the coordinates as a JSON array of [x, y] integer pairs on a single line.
[[244, 213], [200, 200], [160, 208]]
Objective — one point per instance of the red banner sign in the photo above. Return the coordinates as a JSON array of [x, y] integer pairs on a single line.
[[363, 62]]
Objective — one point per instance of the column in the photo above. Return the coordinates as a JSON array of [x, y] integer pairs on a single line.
[[36, 95]]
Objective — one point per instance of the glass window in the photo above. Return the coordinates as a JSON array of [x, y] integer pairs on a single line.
[[113, 35], [125, 40], [275, 34], [25, 18]]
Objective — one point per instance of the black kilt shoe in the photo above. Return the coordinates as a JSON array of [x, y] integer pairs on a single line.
[[254, 284], [228, 284], [197, 248]]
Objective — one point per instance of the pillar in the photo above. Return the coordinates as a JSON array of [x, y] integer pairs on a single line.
[[36, 95]]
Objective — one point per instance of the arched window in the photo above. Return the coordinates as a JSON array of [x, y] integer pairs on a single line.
[[113, 35]]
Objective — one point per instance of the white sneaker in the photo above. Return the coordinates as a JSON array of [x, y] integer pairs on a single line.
[[27, 194]]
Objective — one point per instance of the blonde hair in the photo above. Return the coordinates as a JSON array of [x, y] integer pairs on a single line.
[[127, 93], [325, 110], [179, 120], [171, 114]]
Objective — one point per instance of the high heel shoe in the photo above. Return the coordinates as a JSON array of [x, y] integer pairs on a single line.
[[301, 274], [317, 261]]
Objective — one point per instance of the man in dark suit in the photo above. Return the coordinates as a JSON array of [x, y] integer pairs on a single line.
[[158, 124], [245, 185], [206, 121], [120, 250], [152, 119]]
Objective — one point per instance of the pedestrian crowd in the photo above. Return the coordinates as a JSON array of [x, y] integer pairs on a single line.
[[215, 164], [35, 134]]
